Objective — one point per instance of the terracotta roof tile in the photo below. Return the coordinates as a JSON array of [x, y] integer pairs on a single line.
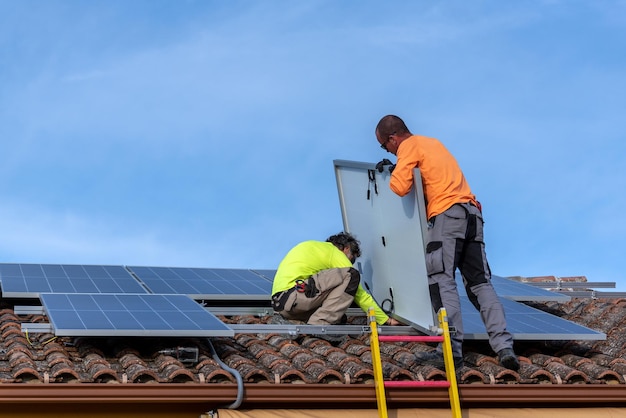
[[574, 279], [467, 375], [209, 371], [498, 374], [532, 373], [100, 373], [64, 372], [566, 374]]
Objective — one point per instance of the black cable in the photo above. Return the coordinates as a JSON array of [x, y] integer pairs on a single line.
[[391, 309], [391, 304]]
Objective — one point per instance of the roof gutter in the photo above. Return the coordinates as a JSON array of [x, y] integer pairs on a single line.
[[209, 396]]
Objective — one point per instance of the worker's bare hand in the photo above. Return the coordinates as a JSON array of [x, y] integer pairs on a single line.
[[392, 321]]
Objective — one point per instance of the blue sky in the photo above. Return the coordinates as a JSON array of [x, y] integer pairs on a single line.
[[202, 133]]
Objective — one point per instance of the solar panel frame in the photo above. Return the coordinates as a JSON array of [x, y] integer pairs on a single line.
[[21, 280], [391, 231], [204, 283], [130, 315]]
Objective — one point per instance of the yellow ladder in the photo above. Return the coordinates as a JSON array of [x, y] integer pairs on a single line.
[[450, 383]]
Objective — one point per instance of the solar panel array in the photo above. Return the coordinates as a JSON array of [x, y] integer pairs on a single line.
[[100, 300], [130, 315], [29, 280]]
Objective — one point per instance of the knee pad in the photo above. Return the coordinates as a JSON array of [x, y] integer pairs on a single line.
[[353, 283], [435, 296]]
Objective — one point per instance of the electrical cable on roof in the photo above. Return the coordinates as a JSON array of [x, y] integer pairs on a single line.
[[49, 340], [390, 302], [240, 387], [387, 300]]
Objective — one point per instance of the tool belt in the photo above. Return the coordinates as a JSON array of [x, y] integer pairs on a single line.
[[280, 299], [307, 287]]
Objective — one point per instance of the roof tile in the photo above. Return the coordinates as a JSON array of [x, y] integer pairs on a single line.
[[139, 373], [530, 372], [101, 373]]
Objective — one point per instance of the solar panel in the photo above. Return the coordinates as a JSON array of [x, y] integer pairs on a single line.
[[522, 292], [205, 283], [391, 231], [266, 274], [526, 323], [29, 280], [130, 315]]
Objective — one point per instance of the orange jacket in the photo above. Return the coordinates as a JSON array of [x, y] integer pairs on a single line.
[[443, 181]]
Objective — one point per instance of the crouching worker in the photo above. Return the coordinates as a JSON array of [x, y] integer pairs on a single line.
[[315, 283]]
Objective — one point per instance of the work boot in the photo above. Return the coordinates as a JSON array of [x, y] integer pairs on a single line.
[[508, 359]]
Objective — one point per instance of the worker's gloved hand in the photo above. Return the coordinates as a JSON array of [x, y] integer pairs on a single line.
[[380, 166]]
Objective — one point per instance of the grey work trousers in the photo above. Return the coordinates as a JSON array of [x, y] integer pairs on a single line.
[[333, 295], [455, 240]]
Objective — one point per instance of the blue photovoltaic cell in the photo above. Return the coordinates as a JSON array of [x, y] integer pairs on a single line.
[[267, 274], [526, 323], [521, 292], [129, 315], [205, 283], [29, 280]]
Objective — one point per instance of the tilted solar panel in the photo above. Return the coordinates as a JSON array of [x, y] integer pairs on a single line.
[[130, 315]]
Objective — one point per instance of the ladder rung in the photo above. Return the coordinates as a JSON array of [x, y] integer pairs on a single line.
[[410, 338], [411, 384]]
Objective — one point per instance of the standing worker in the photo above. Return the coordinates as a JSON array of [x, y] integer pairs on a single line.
[[316, 283], [454, 238]]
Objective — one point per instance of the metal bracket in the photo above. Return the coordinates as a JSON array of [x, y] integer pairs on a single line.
[[34, 328], [28, 310]]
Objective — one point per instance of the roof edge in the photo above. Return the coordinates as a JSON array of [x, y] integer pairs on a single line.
[[210, 396]]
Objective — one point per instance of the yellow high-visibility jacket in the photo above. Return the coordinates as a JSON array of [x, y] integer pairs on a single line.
[[311, 257]]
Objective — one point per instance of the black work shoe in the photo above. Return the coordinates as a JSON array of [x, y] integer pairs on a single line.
[[508, 359]]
